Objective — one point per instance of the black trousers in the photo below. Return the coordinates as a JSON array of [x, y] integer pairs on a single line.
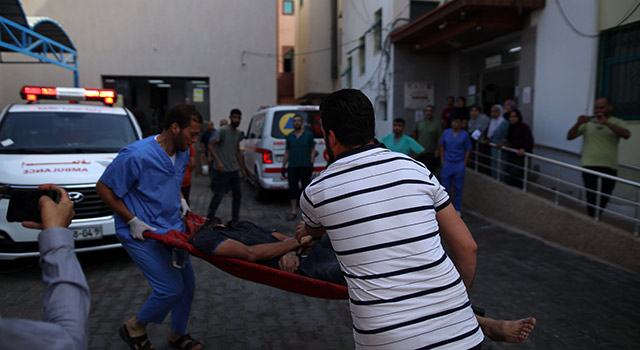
[[430, 161], [301, 175], [591, 183]]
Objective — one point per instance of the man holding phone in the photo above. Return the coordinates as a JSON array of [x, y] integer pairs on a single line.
[[66, 299], [142, 186], [602, 133]]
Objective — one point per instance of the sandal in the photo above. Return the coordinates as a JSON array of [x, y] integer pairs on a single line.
[[178, 343], [135, 343], [291, 216]]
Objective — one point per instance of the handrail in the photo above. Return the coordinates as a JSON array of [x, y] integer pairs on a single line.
[[569, 166], [500, 173]]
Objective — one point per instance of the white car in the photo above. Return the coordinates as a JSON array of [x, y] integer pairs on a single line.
[[65, 144], [265, 144]]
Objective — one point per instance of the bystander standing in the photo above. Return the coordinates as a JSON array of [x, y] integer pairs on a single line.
[[601, 133]]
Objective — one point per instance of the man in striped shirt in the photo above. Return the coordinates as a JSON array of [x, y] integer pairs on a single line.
[[385, 214]]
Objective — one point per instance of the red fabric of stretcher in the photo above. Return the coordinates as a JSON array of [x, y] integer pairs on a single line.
[[251, 271]]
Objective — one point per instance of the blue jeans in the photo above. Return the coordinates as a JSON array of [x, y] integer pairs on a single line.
[[223, 180]]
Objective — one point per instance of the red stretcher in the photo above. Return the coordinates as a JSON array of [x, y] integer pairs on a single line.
[[290, 282]]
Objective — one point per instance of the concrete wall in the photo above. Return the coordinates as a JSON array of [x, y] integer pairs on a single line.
[[313, 40], [565, 66], [539, 217], [433, 68], [378, 80], [611, 12], [163, 38]]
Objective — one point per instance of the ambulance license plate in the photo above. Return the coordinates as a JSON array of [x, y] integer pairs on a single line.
[[85, 233]]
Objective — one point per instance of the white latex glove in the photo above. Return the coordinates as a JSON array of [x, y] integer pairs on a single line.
[[184, 208], [137, 227]]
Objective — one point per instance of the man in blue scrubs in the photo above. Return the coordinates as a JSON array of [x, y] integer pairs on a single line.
[[454, 155], [142, 186]]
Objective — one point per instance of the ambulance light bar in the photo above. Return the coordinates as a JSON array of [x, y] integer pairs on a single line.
[[35, 93]]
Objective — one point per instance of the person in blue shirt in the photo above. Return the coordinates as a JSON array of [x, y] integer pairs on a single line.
[[300, 153], [456, 147], [142, 186], [397, 141]]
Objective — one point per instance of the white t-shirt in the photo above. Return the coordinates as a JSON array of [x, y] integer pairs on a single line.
[[379, 210]]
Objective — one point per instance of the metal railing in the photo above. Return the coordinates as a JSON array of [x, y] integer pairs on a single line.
[[561, 183]]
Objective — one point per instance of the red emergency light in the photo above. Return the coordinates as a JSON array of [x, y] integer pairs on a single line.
[[35, 93]]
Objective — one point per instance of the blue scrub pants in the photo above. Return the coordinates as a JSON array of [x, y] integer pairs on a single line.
[[453, 172], [173, 288]]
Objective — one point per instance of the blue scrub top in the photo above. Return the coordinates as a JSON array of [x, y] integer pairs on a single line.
[[455, 147], [149, 184]]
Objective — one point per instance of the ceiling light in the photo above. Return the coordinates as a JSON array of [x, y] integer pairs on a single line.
[[155, 81], [164, 85], [515, 49], [110, 81], [198, 82]]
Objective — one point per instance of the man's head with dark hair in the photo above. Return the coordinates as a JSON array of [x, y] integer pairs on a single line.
[[456, 122], [348, 113], [474, 111], [428, 111], [297, 122], [398, 127], [182, 126], [235, 116], [602, 106], [183, 114]]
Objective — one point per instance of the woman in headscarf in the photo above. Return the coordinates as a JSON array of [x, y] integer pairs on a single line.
[[497, 134], [519, 137], [509, 105]]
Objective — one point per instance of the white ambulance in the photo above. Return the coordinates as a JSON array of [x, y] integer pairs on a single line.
[[66, 144], [265, 144]]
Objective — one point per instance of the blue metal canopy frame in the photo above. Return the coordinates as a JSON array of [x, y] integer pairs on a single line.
[[20, 39]]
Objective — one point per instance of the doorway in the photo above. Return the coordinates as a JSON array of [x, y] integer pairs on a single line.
[[498, 86], [149, 98]]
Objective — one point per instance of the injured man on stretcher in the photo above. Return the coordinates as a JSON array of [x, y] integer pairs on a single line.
[[312, 258]]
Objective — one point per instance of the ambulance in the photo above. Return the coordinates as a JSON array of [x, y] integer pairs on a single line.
[[265, 144], [68, 144]]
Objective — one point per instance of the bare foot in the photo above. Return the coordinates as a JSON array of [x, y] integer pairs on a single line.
[[507, 331]]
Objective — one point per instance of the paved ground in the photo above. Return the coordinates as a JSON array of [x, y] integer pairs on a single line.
[[580, 303]]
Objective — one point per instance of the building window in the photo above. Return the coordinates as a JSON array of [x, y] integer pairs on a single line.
[[619, 70], [361, 55], [287, 7], [420, 8], [377, 31], [347, 72], [288, 62]]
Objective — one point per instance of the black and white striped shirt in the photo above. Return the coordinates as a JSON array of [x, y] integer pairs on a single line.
[[379, 210]]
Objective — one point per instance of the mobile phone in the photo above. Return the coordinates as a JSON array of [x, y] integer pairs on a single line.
[[23, 204]]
